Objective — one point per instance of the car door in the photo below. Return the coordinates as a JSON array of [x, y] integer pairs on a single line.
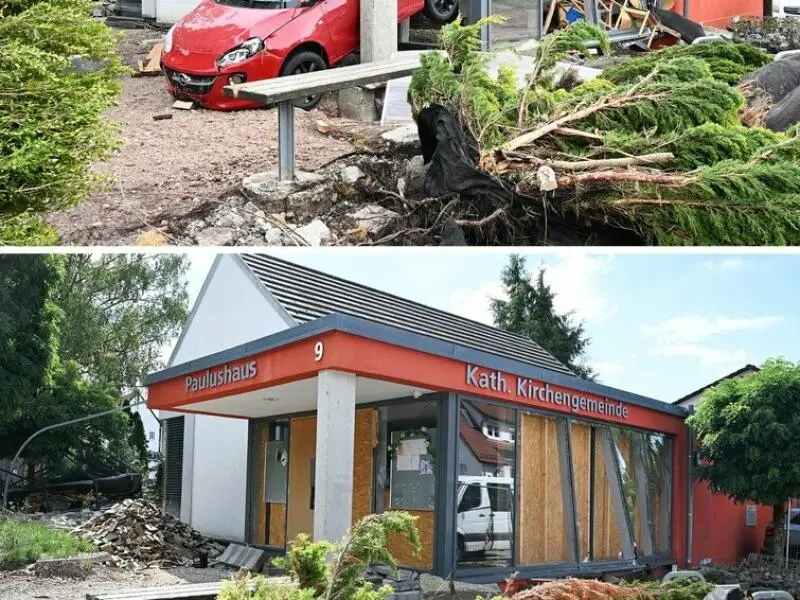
[[501, 503], [341, 22], [473, 517]]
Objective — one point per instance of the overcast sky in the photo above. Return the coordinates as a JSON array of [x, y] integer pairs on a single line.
[[661, 325]]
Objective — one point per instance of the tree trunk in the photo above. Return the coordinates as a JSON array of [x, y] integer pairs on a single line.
[[779, 533]]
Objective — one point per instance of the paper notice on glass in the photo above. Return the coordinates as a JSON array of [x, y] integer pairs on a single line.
[[418, 447], [425, 467], [407, 462]]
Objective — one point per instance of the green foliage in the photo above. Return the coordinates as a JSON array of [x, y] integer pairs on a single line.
[[249, 587], [51, 124], [305, 562], [530, 311], [342, 577], [749, 434], [681, 588], [120, 310], [23, 543], [726, 62], [75, 333], [555, 46]]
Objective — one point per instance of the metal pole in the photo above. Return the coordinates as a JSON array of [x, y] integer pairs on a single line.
[[286, 140], [55, 426]]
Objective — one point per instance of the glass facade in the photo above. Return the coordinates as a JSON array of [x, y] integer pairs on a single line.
[[585, 491]]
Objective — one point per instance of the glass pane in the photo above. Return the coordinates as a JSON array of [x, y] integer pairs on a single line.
[[606, 539], [541, 535], [523, 22], [486, 456], [659, 468], [628, 449]]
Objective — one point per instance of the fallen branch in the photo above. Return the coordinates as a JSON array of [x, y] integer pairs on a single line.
[[624, 177], [480, 222], [604, 104], [686, 203], [523, 162], [569, 131]]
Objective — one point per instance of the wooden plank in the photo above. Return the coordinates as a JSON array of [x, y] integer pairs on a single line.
[[293, 86], [196, 590]]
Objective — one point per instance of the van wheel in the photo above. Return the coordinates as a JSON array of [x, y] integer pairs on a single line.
[[441, 11], [304, 62]]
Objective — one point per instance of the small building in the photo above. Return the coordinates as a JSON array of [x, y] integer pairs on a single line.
[[723, 531], [297, 402]]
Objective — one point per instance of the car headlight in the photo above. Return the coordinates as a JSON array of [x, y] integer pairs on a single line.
[[241, 53], [168, 40]]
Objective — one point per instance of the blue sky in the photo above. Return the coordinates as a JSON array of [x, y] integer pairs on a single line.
[[660, 324]]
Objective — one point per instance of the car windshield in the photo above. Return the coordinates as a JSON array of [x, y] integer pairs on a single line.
[[266, 4]]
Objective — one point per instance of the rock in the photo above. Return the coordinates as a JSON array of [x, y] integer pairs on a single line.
[[229, 218], [147, 45], [315, 233], [137, 533], [351, 174], [79, 64], [274, 237], [415, 175], [358, 104], [215, 236], [372, 217], [785, 113], [546, 178], [267, 185], [407, 135]]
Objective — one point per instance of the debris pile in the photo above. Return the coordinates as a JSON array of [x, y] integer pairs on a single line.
[[136, 533], [770, 34], [661, 149]]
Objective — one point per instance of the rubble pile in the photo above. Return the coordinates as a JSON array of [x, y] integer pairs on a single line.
[[137, 533], [770, 34]]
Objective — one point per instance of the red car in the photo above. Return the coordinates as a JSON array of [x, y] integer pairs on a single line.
[[233, 41]]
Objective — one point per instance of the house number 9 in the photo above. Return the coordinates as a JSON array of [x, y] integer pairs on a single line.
[[319, 350]]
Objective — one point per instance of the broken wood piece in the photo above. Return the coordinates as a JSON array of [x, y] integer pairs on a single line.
[[523, 163], [162, 117], [183, 104], [623, 177]]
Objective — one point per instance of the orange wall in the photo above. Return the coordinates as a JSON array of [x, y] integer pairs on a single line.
[[719, 530], [718, 13]]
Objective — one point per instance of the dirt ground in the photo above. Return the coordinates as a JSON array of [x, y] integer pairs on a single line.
[[171, 169], [22, 585]]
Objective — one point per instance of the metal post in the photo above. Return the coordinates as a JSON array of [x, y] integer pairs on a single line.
[[286, 140], [55, 426], [788, 524]]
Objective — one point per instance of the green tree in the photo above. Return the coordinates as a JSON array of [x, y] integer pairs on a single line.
[[51, 111], [749, 437], [138, 441], [530, 311], [119, 311]]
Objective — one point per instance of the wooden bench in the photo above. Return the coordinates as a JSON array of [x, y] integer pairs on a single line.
[[283, 91]]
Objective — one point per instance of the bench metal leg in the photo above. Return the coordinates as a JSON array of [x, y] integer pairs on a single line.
[[286, 141]]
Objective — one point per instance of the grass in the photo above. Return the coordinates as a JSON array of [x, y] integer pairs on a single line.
[[23, 543]]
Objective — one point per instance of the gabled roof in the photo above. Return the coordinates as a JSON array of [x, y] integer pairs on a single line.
[[307, 294], [737, 373], [485, 450]]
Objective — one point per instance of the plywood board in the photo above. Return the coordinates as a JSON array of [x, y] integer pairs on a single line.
[[540, 531], [277, 525], [401, 550], [302, 448], [366, 439], [580, 434]]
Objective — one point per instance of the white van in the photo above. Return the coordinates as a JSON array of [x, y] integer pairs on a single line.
[[485, 513], [786, 8]]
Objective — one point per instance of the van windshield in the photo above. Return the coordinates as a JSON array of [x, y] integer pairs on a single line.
[[265, 4]]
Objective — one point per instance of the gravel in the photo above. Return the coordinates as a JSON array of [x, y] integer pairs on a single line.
[[170, 169]]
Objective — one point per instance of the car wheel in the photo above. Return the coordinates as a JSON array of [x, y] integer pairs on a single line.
[[305, 62], [441, 11]]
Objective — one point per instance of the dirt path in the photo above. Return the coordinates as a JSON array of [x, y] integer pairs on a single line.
[[171, 168], [22, 585]]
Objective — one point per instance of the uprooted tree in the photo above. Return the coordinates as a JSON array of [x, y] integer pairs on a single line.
[[660, 149]]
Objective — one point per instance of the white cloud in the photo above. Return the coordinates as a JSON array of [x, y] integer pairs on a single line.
[[476, 304], [690, 329], [708, 356], [607, 367], [574, 279], [725, 265]]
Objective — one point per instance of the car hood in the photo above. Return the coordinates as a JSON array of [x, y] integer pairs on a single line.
[[216, 28]]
